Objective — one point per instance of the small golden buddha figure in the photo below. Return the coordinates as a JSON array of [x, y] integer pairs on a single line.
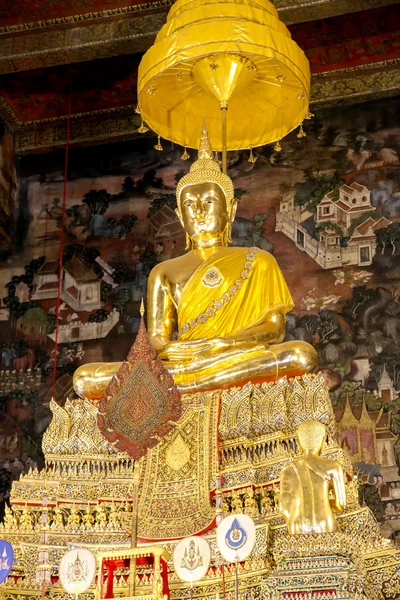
[[74, 518], [236, 503], [225, 506], [114, 518], [250, 503], [58, 519], [277, 496], [266, 503], [9, 519], [306, 483], [101, 517], [27, 519], [228, 304], [88, 517]]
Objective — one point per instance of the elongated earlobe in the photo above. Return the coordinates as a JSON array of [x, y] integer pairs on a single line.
[[227, 235], [188, 242]]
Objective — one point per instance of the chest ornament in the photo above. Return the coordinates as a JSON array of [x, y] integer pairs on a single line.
[[212, 277]]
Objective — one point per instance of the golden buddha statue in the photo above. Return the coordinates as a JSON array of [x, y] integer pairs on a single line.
[[74, 518], [306, 484], [58, 519], [101, 517], [265, 503], [88, 517], [250, 503], [236, 502], [114, 518], [27, 519], [228, 304], [9, 519]]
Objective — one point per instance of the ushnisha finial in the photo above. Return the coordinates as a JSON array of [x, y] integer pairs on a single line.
[[205, 150], [206, 169], [142, 309]]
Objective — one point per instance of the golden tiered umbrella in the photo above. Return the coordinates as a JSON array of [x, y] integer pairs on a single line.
[[229, 56]]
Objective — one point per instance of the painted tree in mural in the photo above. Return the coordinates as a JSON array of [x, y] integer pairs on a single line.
[[388, 239], [97, 200], [12, 301]]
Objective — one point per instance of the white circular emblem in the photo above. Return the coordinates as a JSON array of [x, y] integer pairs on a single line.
[[236, 536], [192, 557], [77, 570]]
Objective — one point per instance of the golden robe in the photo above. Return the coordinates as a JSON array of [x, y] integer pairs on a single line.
[[232, 290]]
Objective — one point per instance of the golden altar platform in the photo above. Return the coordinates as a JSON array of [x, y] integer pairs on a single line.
[[89, 489]]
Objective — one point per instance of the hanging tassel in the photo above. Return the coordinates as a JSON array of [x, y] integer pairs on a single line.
[[185, 155], [143, 128], [252, 159], [301, 133], [309, 115], [158, 145], [277, 147], [137, 110]]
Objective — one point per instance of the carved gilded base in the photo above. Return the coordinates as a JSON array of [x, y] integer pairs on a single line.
[[257, 435], [320, 576]]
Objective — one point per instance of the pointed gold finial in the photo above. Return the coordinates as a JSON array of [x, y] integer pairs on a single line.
[[142, 309], [158, 146], [252, 159], [301, 133], [205, 150], [185, 155], [143, 128]]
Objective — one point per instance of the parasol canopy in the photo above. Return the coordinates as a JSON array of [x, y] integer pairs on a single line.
[[228, 54]]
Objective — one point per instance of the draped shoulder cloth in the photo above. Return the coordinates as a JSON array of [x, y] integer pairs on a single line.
[[232, 290]]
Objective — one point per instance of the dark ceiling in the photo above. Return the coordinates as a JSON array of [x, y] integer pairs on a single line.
[[87, 52]]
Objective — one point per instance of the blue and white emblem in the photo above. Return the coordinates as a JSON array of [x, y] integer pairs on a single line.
[[236, 536], [6, 559]]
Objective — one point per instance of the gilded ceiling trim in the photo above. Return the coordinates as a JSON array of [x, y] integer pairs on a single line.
[[78, 44], [90, 16], [8, 114], [344, 86], [291, 11], [84, 131], [366, 82]]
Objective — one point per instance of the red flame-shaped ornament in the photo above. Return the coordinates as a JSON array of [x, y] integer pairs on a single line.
[[141, 403]]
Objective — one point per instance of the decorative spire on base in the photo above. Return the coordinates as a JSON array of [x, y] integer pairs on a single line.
[[141, 403]]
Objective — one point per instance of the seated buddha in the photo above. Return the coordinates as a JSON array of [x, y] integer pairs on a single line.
[[226, 304], [307, 484]]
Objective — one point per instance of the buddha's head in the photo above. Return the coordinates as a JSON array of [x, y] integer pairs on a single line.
[[311, 436], [205, 198]]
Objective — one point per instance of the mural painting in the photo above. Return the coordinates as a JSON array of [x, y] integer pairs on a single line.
[[327, 206]]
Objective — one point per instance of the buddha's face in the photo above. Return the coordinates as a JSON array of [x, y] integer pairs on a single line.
[[204, 212]]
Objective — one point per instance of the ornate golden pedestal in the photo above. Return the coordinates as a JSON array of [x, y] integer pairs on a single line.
[[253, 431]]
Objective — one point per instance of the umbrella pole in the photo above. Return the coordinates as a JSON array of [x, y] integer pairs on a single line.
[[224, 108]]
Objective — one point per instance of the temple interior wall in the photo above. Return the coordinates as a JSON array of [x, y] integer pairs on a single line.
[[120, 223]]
